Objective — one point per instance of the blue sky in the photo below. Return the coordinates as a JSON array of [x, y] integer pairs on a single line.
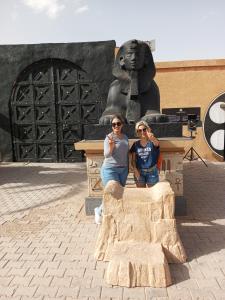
[[182, 29]]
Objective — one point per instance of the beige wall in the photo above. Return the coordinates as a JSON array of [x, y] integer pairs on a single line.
[[192, 84]]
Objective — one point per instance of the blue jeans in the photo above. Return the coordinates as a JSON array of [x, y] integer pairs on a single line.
[[118, 174], [148, 176]]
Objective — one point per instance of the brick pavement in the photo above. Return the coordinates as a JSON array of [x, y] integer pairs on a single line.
[[46, 241]]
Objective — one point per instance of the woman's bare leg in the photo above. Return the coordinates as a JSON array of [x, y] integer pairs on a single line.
[[150, 185], [140, 185]]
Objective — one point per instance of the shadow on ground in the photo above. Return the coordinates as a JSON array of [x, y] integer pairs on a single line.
[[25, 186], [202, 231]]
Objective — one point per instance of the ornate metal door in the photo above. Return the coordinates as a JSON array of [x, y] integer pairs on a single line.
[[51, 100]]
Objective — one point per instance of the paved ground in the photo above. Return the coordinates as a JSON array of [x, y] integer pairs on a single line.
[[46, 241]]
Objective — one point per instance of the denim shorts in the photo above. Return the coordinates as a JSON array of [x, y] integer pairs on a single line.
[[118, 174], [148, 176]]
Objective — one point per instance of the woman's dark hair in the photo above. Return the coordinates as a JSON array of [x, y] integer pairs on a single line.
[[118, 117]]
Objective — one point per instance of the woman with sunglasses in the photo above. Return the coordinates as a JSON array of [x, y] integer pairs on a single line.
[[115, 164], [145, 153]]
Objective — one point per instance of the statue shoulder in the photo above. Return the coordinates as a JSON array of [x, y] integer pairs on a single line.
[[115, 84], [115, 87]]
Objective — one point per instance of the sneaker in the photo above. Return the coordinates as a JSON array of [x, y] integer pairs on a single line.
[[98, 217]]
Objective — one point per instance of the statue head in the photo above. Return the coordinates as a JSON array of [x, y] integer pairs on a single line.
[[133, 57]]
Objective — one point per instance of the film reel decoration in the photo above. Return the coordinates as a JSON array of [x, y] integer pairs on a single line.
[[214, 125]]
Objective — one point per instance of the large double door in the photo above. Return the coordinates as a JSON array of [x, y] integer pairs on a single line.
[[51, 101]]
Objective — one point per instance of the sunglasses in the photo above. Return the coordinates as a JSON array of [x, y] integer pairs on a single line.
[[116, 124], [143, 129]]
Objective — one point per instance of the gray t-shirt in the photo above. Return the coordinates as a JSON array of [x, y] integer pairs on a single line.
[[119, 156]]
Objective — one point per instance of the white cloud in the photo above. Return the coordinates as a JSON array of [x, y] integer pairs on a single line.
[[51, 7], [80, 6], [81, 9]]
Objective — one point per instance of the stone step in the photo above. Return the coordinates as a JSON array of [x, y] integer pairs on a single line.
[[134, 264]]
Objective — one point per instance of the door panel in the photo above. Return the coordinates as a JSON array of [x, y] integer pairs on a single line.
[[51, 101]]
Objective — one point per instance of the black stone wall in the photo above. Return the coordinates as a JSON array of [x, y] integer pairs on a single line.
[[96, 58]]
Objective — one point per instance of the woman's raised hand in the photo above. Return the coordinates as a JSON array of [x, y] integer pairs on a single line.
[[111, 140], [150, 135], [152, 138]]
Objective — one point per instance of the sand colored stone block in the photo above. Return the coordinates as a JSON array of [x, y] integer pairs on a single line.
[[139, 216], [138, 264]]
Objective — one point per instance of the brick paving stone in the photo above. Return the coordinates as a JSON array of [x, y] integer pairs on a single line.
[[135, 293], [3, 263], [94, 273], [21, 280], [221, 282], [9, 250], [25, 250], [46, 257], [208, 283], [43, 281], [7, 291], [61, 282], [25, 291], [5, 281], [89, 265], [19, 272], [202, 294], [68, 291], [177, 294], [99, 281], [50, 264], [195, 274], [160, 298], [75, 272], [32, 264], [155, 292], [55, 272], [28, 257], [80, 281], [31, 298], [80, 298], [214, 272], [42, 250], [15, 264], [218, 294], [10, 298], [58, 250], [4, 272], [113, 292], [12, 256], [189, 283], [90, 292], [46, 291], [66, 257], [36, 271]]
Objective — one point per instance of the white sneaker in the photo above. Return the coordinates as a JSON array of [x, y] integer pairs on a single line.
[[98, 217]]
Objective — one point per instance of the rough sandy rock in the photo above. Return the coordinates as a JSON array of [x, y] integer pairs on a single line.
[[140, 215], [138, 264]]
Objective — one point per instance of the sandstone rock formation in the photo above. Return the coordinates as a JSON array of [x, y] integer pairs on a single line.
[[138, 264], [138, 235]]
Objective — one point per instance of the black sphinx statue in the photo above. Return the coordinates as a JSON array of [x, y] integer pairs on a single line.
[[134, 94]]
